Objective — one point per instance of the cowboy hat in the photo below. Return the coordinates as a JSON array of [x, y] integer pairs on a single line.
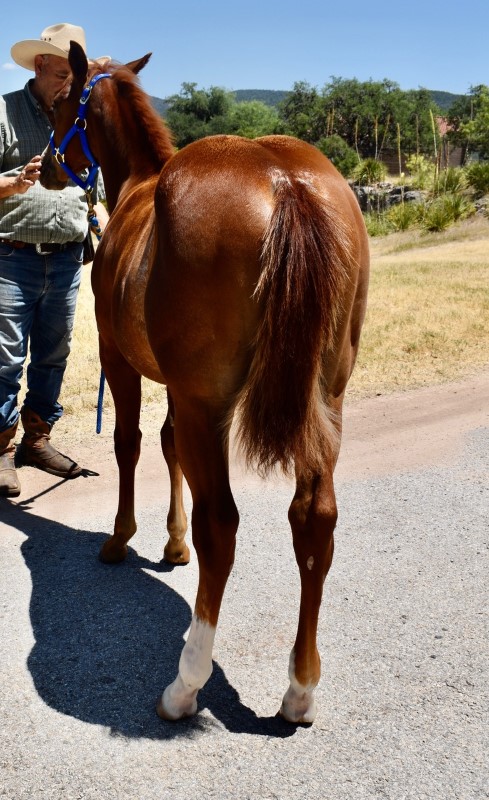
[[54, 41]]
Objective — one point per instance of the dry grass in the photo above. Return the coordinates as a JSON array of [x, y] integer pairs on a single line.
[[428, 313], [427, 322]]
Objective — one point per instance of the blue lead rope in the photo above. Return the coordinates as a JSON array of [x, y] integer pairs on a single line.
[[94, 226], [100, 401]]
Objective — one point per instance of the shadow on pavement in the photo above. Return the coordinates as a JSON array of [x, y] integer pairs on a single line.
[[108, 638]]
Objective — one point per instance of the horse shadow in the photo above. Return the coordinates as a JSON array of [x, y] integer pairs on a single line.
[[108, 638]]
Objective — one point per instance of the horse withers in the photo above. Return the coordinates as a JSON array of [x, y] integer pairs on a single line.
[[235, 272]]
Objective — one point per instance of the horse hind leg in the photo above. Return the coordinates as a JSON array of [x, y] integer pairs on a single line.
[[202, 451], [312, 517], [176, 550]]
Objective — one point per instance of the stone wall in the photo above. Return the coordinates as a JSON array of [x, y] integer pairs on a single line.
[[385, 195]]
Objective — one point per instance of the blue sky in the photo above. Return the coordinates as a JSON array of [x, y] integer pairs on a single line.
[[270, 44]]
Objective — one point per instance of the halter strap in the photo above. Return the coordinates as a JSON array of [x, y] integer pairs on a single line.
[[79, 128]]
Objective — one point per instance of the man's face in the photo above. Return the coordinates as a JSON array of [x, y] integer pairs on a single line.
[[53, 77]]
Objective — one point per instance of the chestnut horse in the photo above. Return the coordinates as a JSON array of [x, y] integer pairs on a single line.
[[234, 272]]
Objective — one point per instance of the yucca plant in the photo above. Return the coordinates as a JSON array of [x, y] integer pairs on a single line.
[[403, 216], [451, 180], [369, 171], [438, 215], [478, 177], [460, 206]]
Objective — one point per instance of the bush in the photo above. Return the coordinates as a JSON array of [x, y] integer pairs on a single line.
[[340, 154], [461, 207], [422, 172], [451, 180], [438, 215], [403, 216], [376, 224], [369, 171], [478, 177]]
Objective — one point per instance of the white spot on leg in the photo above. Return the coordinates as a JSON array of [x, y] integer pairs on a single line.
[[310, 562], [298, 704], [194, 669]]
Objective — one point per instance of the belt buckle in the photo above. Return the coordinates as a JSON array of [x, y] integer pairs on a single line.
[[42, 252]]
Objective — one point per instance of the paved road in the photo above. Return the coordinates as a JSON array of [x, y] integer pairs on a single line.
[[86, 648]]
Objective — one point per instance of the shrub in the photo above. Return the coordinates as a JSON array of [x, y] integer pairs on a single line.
[[451, 180], [422, 172], [438, 215], [461, 207], [369, 171], [478, 177], [403, 216]]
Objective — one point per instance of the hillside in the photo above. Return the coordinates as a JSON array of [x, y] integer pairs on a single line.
[[271, 97], [444, 99]]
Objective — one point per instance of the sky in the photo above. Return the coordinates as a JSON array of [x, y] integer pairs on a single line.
[[270, 44]]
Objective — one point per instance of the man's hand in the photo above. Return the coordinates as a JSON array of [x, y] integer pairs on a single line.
[[28, 176]]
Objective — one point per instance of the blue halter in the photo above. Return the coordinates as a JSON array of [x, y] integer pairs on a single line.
[[79, 127]]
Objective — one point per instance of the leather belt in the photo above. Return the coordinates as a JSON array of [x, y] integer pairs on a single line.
[[41, 248]]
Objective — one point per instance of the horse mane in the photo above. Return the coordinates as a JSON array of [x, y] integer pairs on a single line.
[[154, 137]]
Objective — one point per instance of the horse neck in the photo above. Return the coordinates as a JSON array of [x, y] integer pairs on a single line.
[[135, 144]]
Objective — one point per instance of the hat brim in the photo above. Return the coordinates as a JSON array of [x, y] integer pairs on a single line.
[[24, 53]]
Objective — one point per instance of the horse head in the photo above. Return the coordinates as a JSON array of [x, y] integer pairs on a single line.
[[72, 149]]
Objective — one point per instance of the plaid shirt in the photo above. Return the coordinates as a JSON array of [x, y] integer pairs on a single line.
[[38, 215]]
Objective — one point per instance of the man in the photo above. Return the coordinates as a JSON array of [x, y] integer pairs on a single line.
[[41, 253]]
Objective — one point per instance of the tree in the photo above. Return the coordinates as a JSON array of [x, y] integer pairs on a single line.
[[469, 122], [195, 113], [303, 113], [366, 115], [253, 118]]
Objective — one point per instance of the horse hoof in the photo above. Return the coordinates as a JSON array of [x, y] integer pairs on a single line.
[[112, 553], [298, 709], [172, 715], [179, 554], [305, 723]]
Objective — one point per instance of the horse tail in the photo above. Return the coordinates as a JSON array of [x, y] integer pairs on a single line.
[[306, 248]]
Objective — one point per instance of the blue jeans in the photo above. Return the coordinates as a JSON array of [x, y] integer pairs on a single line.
[[37, 305]]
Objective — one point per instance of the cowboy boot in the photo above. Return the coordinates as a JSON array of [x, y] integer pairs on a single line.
[[9, 482], [36, 450]]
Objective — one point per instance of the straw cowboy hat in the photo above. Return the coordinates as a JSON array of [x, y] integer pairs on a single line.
[[54, 41]]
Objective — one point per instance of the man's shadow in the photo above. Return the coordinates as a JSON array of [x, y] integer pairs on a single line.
[[108, 638]]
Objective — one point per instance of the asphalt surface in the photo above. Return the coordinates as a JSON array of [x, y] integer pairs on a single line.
[[403, 700]]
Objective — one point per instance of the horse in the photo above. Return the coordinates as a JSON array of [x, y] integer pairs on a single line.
[[235, 272]]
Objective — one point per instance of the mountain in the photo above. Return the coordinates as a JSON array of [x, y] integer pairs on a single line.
[[271, 97], [159, 105], [445, 99]]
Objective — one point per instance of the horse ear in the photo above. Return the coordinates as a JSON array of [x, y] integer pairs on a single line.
[[78, 62], [137, 66]]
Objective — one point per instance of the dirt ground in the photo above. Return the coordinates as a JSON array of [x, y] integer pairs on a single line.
[[382, 435], [394, 432]]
